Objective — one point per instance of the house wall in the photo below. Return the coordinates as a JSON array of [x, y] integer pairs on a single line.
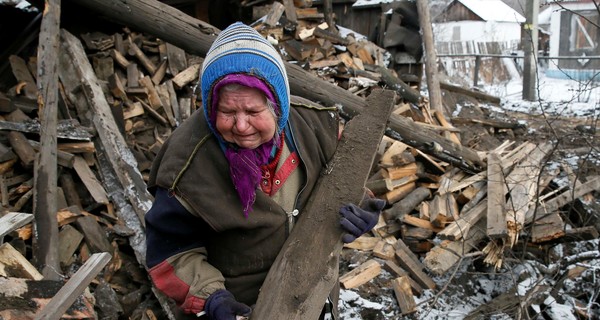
[[568, 39], [479, 31]]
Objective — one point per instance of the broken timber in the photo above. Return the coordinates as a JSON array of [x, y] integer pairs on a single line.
[[45, 250], [65, 297], [196, 36], [306, 268]]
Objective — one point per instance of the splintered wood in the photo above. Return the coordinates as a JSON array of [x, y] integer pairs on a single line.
[[484, 211]]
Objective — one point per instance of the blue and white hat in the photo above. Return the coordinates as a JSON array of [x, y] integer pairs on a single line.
[[239, 49]]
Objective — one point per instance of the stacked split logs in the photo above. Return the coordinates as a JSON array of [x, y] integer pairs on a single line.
[[441, 214], [445, 200]]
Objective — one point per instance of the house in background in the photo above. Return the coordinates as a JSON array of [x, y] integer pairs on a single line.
[[477, 26], [574, 32], [473, 27]]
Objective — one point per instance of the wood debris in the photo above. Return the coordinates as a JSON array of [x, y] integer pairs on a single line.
[[121, 95]]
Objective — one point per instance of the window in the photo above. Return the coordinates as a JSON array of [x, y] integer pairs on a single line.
[[456, 33], [584, 34]]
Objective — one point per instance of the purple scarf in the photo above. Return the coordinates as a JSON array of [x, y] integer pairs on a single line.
[[244, 164]]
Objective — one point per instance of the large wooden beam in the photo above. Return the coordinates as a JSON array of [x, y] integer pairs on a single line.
[[196, 36], [306, 268], [44, 204], [433, 144]]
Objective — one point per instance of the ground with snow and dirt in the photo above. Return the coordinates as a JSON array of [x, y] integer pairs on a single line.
[[545, 282]]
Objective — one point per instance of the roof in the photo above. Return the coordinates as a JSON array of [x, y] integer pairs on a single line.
[[492, 10]]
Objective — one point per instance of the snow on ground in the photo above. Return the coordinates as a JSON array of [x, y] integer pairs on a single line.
[[558, 97]]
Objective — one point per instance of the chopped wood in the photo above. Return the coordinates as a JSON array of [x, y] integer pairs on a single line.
[[36, 295], [274, 14], [476, 94], [22, 148], [67, 129], [404, 296], [364, 243], [442, 210], [24, 77], [445, 255], [421, 223], [380, 186], [141, 56], [176, 58], [361, 274], [90, 181], [396, 148], [399, 193], [383, 250], [186, 76], [14, 264], [399, 172], [153, 97], [407, 204], [94, 234]]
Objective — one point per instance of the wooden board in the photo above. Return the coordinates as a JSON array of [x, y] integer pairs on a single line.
[[315, 242], [12, 221]]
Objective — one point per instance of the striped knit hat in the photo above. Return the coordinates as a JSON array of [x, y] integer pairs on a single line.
[[239, 49], [241, 55]]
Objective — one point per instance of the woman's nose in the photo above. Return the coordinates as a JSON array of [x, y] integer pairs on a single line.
[[240, 121]]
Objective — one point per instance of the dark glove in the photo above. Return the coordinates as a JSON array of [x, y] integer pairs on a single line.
[[358, 220], [221, 305]]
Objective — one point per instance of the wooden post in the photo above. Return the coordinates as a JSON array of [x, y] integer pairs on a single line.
[[328, 11], [530, 50], [44, 204], [431, 69], [477, 66], [306, 268]]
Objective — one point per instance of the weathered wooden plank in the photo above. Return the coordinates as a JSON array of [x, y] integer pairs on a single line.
[[496, 216], [65, 297], [522, 185], [94, 234], [360, 275], [69, 240], [12, 221], [318, 227], [564, 198], [89, 180], [443, 256], [66, 129], [404, 296], [117, 150], [407, 260]]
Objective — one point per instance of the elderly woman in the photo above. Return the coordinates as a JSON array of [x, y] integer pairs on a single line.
[[231, 180]]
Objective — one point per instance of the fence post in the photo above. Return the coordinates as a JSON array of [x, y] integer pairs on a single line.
[[477, 65]]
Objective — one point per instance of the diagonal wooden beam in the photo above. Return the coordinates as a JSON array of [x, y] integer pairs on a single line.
[[306, 268]]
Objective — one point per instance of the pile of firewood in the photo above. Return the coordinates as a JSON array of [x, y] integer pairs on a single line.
[[438, 214], [121, 95]]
